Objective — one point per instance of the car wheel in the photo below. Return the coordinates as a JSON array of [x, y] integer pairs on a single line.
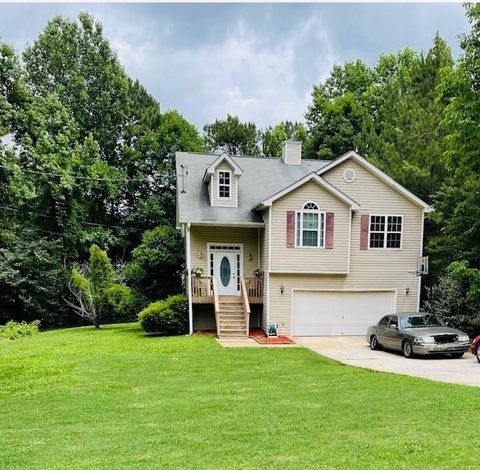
[[478, 354], [374, 345], [457, 355], [407, 349]]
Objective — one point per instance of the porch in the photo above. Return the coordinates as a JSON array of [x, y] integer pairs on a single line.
[[203, 289]]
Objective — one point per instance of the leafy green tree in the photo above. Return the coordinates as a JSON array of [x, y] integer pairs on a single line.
[[88, 285], [457, 203], [32, 279], [156, 269], [74, 61], [232, 136], [274, 137]]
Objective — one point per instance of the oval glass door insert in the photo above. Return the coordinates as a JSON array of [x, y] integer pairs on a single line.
[[225, 271]]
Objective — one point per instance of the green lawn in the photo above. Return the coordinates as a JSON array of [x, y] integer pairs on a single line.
[[114, 398]]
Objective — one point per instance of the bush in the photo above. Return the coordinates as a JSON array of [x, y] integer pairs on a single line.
[[121, 303], [169, 316], [14, 330], [157, 265], [449, 299]]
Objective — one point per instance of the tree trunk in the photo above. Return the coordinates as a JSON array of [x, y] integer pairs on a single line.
[[96, 322]]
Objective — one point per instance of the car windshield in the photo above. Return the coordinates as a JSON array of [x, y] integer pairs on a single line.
[[420, 321]]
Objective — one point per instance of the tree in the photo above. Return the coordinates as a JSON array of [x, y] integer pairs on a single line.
[[232, 136], [273, 137], [156, 269], [88, 285], [74, 61], [32, 279], [457, 202]]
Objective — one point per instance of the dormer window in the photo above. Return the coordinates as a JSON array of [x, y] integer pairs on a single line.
[[310, 226], [224, 184]]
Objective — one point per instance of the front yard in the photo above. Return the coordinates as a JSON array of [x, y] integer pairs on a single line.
[[114, 398]]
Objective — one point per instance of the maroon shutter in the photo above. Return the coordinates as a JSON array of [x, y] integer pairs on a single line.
[[364, 221], [329, 224], [290, 229]]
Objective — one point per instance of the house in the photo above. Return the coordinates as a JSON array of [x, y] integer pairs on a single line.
[[315, 247]]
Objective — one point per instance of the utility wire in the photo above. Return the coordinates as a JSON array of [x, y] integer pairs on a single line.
[[79, 221], [126, 180]]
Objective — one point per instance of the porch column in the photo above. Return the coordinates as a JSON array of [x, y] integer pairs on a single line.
[[189, 280]]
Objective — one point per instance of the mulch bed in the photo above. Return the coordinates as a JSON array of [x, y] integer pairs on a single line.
[[260, 337]]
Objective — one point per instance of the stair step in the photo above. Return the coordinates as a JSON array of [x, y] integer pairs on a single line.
[[232, 333]]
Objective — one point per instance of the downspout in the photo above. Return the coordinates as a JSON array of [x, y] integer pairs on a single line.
[[189, 280]]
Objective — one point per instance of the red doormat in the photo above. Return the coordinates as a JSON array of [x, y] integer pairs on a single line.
[[260, 337]]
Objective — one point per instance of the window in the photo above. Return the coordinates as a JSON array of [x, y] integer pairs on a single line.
[[224, 184], [384, 321], [386, 231], [310, 226], [393, 322]]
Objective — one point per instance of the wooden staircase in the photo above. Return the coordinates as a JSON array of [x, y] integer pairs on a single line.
[[231, 317]]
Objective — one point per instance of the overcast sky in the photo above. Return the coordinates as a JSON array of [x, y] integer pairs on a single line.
[[257, 61]]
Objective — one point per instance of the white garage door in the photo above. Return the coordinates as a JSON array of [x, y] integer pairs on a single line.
[[339, 312]]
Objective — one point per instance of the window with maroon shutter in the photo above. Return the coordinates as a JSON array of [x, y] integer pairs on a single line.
[[329, 229], [364, 222], [290, 229], [310, 226]]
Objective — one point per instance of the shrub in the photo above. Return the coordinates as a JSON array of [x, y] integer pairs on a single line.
[[121, 302], [157, 265], [169, 316], [15, 330], [449, 299]]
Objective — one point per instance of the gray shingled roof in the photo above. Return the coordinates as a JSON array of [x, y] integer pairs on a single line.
[[262, 177]]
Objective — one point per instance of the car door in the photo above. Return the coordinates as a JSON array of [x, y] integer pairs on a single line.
[[392, 334], [382, 330]]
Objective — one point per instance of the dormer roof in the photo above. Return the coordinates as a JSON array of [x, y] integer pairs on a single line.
[[210, 171]]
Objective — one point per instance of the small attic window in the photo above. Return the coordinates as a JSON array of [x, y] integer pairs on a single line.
[[224, 184]]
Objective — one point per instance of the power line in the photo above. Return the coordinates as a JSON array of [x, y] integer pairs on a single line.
[[79, 221], [91, 178]]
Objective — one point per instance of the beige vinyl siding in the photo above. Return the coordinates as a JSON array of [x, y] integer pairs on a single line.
[[310, 259], [369, 269], [200, 236], [223, 202]]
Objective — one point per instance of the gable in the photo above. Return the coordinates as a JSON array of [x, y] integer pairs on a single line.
[[315, 180], [351, 158], [371, 192]]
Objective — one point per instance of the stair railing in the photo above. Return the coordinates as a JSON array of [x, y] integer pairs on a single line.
[[246, 304], [216, 303]]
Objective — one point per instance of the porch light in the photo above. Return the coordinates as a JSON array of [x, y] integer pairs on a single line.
[[200, 255], [407, 291], [250, 257], [282, 288]]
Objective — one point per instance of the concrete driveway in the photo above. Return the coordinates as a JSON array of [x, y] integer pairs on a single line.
[[354, 351]]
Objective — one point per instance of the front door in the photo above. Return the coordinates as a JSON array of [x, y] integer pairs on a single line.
[[226, 269]]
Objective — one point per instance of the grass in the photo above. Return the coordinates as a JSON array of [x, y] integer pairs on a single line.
[[113, 398]]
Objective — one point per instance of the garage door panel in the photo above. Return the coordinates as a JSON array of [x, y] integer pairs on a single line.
[[338, 313]]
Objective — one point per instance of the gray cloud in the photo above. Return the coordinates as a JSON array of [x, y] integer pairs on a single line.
[[258, 61]]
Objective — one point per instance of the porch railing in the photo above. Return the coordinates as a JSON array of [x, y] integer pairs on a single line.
[[202, 289], [254, 286]]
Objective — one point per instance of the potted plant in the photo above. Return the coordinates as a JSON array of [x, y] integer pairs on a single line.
[[197, 271], [258, 272]]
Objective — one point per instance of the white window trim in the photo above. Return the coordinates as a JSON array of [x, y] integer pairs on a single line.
[[319, 230], [385, 231], [229, 185]]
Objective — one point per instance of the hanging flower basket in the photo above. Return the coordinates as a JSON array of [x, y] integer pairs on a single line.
[[197, 271], [258, 272]]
